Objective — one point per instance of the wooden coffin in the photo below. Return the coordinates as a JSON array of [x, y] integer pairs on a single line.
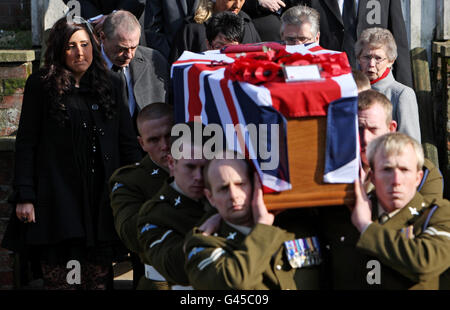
[[306, 139]]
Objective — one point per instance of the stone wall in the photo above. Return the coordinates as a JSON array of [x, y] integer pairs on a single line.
[[15, 67]]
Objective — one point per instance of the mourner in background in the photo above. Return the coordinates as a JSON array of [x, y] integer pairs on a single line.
[[74, 131], [97, 10], [300, 25], [376, 52], [192, 35], [246, 252], [179, 205], [343, 21], [163, 19], [224, 28], [131, 186], [407, 235], [265, 15], [145, 71]]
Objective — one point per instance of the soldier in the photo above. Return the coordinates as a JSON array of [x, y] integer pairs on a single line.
[[247, 252], [408, 236], [177, 207], [133, 185], [375, 119]]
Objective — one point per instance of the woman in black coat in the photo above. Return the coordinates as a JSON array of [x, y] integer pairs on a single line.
[[74, 131]]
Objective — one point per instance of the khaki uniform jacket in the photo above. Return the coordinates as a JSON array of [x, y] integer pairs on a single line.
[[340, 236], [410, 260], [162, 225], [130, 187], [232, 260]]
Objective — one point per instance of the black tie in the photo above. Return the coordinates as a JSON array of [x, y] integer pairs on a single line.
[[349, 18], [122, 76]]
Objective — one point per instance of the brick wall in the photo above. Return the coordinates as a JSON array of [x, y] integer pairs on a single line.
[[6, 174], [15, 67], [15, 14]]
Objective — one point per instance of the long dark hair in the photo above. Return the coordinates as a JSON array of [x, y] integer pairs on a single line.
[[59, 80]]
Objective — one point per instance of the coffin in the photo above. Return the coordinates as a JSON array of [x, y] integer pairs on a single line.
[[306, 145], [208, 83]]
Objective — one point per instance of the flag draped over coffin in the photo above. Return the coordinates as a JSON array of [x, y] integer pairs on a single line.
[[235, 88]]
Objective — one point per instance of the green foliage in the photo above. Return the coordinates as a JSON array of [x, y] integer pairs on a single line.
[[20, 39]]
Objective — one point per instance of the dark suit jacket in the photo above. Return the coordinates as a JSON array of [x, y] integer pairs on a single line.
[[46, 172], [391, 18], [150, 73], [192, 37], [91, 8], [163, 18], [266, 22]]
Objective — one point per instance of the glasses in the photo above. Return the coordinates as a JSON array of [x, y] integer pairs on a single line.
[[368, 59], [297, 40]]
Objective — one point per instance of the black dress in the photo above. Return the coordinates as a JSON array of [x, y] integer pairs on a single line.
[[63, 168]]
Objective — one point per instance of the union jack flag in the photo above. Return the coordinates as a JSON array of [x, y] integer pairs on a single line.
[[203, 89]]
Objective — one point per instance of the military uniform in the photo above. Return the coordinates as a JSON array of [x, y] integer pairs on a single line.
[[232, 260], [303, 223], [163, 223], [340, 236], [130, 187], [413, 246]]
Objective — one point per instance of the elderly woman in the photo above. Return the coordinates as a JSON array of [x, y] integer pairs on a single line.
[[192, 36], [74, 131], [376, 52]]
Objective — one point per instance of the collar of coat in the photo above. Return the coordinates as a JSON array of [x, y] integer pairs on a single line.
[[406, 216]]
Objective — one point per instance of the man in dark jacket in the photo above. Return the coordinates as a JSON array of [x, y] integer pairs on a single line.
[[163, 19], [144, 70]]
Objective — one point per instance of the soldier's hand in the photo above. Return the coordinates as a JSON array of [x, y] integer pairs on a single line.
[[259, 210], [211, 225], [362, 211]]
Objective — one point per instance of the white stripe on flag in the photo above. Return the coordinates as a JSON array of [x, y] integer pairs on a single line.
[[347, 85]]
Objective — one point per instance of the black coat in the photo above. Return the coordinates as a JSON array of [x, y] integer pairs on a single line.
[[46, 172], [267, 23], [192, 37], [391, 18], [163, 19]]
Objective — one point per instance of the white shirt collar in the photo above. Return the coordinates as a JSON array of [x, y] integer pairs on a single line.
[[106, 58]]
